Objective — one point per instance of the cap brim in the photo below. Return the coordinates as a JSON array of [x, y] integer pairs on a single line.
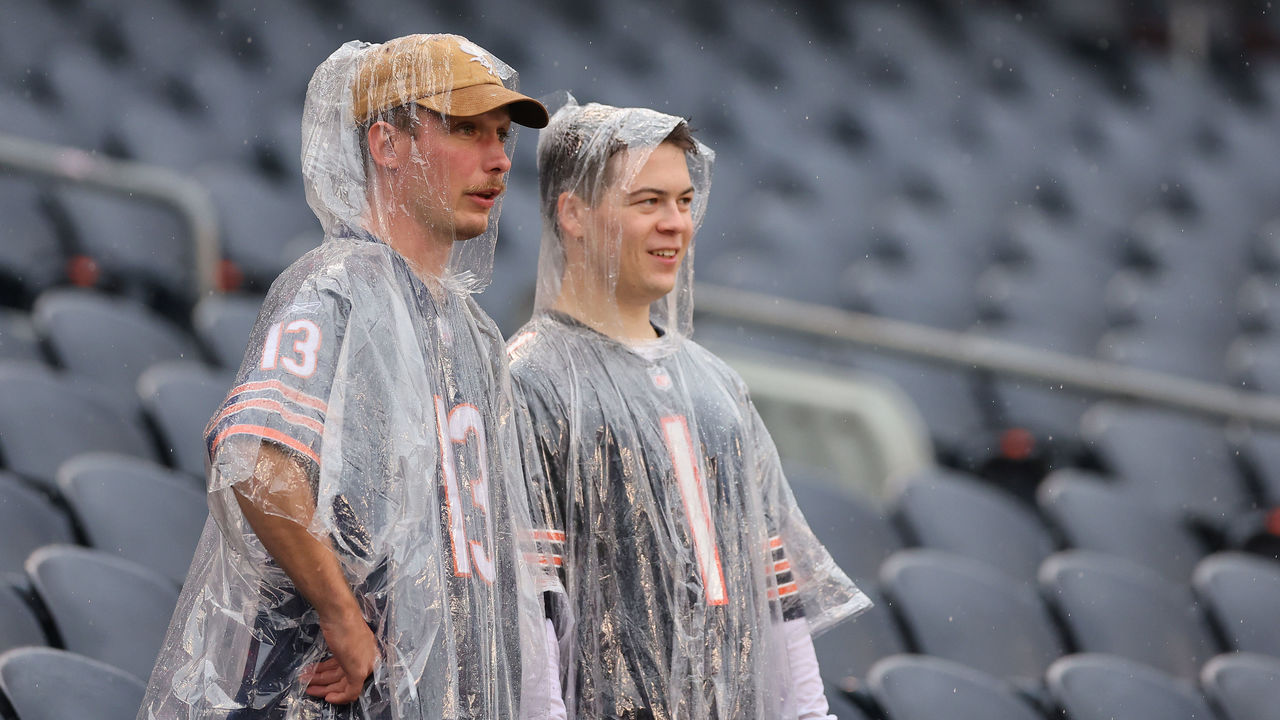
[[480, 99]]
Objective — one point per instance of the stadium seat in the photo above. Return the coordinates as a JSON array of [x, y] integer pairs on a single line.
[[136, 510], [222, 323], [149, 129], [1095, 686], [107, 339], [104, 607], [49, 684], [948, 399], [28, 520], [80, 77], [46, 418], [18, 339], [1261, 451], [25, 117], [1241, 594], [19, 624], [912, 687], [259, 219], [31, 257], [961, 609], [1093, 514], [1112, 605], [179, 398], [1243, 686], [956, 512], [854, 528], [1178, 463], [137, 245], [847, 651]]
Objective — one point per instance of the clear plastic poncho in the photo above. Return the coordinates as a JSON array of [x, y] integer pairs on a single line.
[[679, 541], [388, 393]]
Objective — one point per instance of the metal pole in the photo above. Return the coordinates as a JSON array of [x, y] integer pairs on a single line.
[[974, 351], [187, 196]]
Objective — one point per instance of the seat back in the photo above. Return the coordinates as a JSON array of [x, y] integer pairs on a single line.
[[49, 684], [964, 610], [104, 607]]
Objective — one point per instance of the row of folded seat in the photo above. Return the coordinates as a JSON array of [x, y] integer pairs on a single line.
[[1013, 593]]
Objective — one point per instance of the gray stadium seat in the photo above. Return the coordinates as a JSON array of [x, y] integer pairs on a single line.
[[110, 340], [19, 625], [136, 510], [911, 687], [956, 512], [1241, 594], [104, 607], [1093, 514], [1179, 463], [854, 528], [964, 610], [18, 339], [28, 520], [179, 398], [49, 684], [222, 323], [1243, 686], [847, 651], [46, 418], [1112, 605], [136, 244], [259, 219], [1107, 687], [31, 258]]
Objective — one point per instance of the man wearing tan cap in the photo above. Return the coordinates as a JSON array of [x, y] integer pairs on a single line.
[[363, 558]]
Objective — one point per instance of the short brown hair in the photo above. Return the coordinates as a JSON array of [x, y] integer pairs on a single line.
[[564, 158]]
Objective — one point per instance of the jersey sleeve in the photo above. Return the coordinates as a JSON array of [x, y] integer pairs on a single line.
[[807, 581], [281, 392], [542, 432]]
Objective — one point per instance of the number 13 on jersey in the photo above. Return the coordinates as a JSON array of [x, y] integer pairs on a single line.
[[457, 427]]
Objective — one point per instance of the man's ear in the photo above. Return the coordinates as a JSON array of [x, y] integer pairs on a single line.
[[571, 214], [385, 143]]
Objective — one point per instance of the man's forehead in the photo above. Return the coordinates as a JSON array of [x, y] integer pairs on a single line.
[[666, 166]]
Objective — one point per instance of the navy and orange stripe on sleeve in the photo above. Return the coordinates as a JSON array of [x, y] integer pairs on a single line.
[[784, 584], [273, 411]]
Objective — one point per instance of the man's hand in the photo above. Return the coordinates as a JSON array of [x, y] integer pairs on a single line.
[[340, 679]]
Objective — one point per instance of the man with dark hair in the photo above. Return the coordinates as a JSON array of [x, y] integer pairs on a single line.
[[691, 575], [362, 558]]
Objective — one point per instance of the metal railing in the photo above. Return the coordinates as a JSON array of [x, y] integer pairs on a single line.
[[182, 193], [973, 351]]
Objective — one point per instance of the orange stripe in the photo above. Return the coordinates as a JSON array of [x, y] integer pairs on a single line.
[[519, 342], [782, 566], [295, 395], [268, 434], [553, 535], [275, 406], [544, 559], [788, 589], [775, 542]]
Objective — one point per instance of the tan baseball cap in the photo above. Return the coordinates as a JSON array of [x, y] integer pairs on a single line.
[[445, 73]]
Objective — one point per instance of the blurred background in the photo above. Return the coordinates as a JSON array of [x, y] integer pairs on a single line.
[[1004, 277]]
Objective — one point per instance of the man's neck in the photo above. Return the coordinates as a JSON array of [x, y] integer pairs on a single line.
[[600, 309], [426, 253]]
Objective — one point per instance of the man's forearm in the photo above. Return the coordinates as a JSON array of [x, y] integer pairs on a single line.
[[310, 564], [278, 504]]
